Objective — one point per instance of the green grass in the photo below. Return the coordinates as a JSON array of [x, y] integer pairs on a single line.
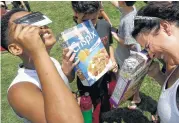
[[61, 15]]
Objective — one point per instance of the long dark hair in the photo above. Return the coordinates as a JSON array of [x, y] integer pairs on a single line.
[[149, 17]]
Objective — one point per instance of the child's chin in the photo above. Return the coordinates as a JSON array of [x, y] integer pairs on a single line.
[[50, 43]]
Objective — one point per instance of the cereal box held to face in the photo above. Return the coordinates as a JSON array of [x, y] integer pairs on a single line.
[[89, 49], [131, 75]]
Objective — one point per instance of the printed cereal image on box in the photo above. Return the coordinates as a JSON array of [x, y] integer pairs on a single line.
[[131, 75], [94, 59]]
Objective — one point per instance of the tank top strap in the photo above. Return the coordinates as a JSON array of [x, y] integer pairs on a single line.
[[166, 81]]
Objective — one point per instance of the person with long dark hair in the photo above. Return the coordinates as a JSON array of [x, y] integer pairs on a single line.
[[157, 30]]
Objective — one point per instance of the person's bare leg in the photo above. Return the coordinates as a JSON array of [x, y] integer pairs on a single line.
[[136, 100], [136, 97]]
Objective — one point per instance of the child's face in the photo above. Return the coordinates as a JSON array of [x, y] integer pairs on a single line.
[[81, 17], [49, 40]]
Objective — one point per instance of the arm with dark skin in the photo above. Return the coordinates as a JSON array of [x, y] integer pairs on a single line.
[[111, 52], [115, 67], [55, 104], [59, 103]]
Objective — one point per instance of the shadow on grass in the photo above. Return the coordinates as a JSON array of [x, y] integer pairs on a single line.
[[124, 115]]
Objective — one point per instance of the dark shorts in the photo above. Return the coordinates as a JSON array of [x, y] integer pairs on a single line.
[[98, 91]]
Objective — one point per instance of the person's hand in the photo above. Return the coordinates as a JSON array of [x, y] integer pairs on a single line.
[[117, 38], [114, 66], [28, 37], [154, 69], [114, 34], [68, 61]]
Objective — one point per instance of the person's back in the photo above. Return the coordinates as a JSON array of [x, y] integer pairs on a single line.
[[124, 33]]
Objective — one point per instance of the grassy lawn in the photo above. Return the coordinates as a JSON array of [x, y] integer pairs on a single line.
[[61, 15]]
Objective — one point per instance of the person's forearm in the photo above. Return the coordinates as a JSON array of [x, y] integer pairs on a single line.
[[111, 51], [60, 105], [116, 37], [115, 3], [106, 17], [70, 77]]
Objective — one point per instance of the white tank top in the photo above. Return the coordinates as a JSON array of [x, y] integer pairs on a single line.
[[167, 106], [27, 75]]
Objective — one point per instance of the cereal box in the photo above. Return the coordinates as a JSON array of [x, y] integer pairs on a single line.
[[131, 76], [89, 49]]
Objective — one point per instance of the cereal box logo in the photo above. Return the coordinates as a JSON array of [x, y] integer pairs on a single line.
[[84, 40]]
